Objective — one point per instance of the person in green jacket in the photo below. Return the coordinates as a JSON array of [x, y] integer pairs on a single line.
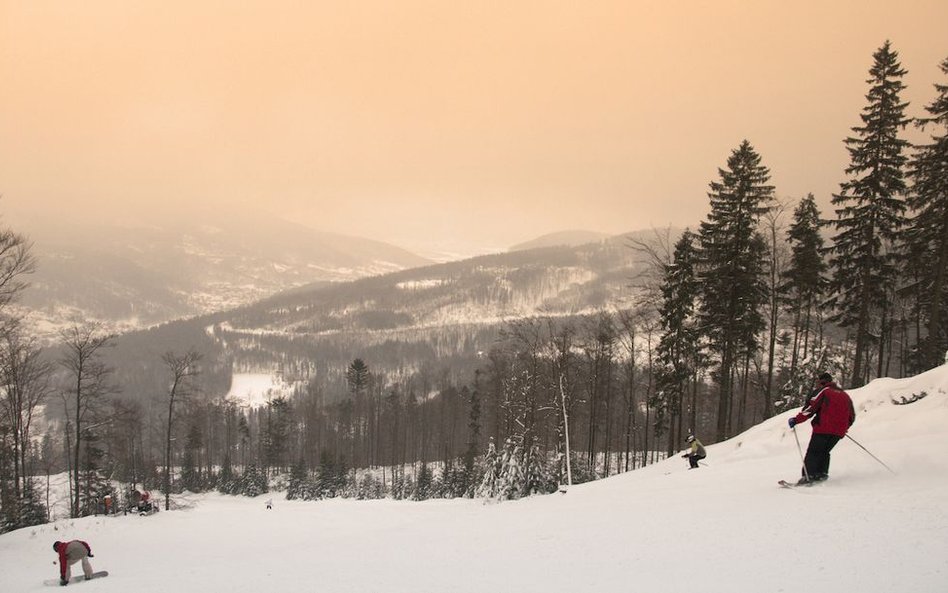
[[696, 453]]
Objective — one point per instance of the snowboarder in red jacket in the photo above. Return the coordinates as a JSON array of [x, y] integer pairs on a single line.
[[832, 412], [69, 554]]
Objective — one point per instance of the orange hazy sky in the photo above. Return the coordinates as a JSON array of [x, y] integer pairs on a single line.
[[431, 123]]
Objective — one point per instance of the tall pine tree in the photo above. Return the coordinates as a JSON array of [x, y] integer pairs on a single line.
[[677, 348], [804, 282], [732, 253], [870, 212], [928, 230]]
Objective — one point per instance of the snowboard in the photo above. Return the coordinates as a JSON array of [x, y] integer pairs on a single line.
[[78, 579]]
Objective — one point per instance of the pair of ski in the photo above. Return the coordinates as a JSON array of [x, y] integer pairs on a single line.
[[78, 579], [786, 484]]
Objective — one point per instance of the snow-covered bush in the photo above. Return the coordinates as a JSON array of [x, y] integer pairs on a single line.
[[253, 482]]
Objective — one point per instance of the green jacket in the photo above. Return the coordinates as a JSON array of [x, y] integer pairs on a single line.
[[697, 448]]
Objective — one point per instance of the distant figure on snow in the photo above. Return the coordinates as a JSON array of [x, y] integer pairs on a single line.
[[269, 503], [69, 554], [696, 453], [833, 413]]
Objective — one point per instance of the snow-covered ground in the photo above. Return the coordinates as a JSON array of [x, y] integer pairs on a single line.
[[723, 528]]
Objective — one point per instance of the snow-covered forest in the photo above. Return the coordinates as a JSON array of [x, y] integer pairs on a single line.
[[725, 327]]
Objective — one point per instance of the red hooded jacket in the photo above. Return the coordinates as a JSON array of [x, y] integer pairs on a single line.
[[831, 409]]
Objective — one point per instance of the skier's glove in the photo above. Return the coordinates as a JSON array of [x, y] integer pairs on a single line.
[[792, 422]]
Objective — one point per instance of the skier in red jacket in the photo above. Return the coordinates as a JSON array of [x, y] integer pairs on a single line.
[[832, 412]]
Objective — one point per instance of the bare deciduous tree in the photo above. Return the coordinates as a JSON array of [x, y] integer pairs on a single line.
[[656, 252], [25, 380], [777, 256], [15, 262], [184, 369], [89, 378]]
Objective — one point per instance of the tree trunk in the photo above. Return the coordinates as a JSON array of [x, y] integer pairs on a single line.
[[862, 333], [724, 395], [771, 353], [167, 481], [934, 351], [76, 453], [884, 330], [797, 333]]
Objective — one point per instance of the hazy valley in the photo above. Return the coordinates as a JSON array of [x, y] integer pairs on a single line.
[[445, 316], [132, 277]]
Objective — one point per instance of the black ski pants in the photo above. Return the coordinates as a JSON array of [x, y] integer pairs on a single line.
[[817, 460]]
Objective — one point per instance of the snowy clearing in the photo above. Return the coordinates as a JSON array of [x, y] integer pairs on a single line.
[[256, 389]]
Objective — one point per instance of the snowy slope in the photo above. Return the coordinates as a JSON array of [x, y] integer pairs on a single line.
[[724, 528]]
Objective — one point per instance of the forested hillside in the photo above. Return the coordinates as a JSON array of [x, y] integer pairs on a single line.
[[132, 276]]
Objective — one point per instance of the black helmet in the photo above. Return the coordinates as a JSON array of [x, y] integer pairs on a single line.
[[825, 378], [56, 546]]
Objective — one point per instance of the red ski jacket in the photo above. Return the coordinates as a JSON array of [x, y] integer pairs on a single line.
[[831, 409], [70, 553]]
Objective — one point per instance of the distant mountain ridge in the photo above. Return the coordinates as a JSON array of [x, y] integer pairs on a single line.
[[545, 280], [572, 238], [135, 276]]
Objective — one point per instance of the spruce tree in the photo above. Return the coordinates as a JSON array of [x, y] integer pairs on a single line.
[[927, 235], [537, 478], [245, 443], [9, 509], [276, 435], [804, 282], [870, 212], [253, 482], [226, 480], [299, 484], [190, 472], [733, 288], [326, 480], [490, 482], [32, 510], [94, 485], [511, 480], [424, 487], [474, 432], [677, 348], [357, 376]]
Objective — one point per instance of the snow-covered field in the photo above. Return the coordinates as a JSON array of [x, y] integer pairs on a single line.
[[256, 389], [723, 528]]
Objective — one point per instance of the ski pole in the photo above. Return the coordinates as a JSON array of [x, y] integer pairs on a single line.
[[870, 454], [806, 474]]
